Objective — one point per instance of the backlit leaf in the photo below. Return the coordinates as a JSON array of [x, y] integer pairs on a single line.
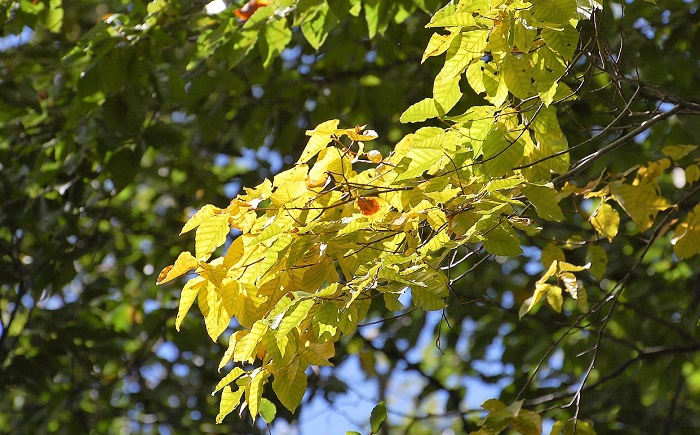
[[187, 298], [686, 242], [210, 235], [290, 385], [203, 214], [641, 202], [605, 220], [185, 262], [320, 138], [543, 198], [229, 401]]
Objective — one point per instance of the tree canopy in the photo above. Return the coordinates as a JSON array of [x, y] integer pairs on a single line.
[[318, 177]]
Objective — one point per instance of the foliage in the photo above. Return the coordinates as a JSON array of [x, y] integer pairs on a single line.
[[511, 192]]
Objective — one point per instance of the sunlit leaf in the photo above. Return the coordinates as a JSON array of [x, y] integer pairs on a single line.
[[210, 235], [605, 220], [185, 262], [229, 401]]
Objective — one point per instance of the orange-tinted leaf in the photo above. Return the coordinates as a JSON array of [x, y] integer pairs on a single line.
[[184, 263], [249, 9], [368, 206]]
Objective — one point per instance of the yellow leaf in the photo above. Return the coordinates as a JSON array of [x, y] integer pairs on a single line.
[[210, 235], [328, 161], [320, 138], [438, 44], [318, 354], [686, 242], [230, 377], [552, 252], [605, 221], [216, 318], [254, 390], [641, 202], [184, 263], [554, 297], [246, 348], [692, 174], [203, 214], [229, 401], [228, 355], [677, 152], [187, 297]]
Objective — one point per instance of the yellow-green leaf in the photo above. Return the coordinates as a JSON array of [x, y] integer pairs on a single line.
[[605, 221], [320, 138], [677, 152], [598, 259], [294, 316], [545, 201], [550, 253], [446, 93], [290, 385], [641, 202], [438, 44], [254, 391], [502, 240], [229, 401], [234, 374], [686, 242], [326, 321]]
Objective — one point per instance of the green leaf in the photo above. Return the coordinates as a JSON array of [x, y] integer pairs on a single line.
[[543, 198], [268, 411], [598, 258], [275, 37], [500, 154], [420, 111], [313, 26], [290, 384], [502, 240], [378, 416]]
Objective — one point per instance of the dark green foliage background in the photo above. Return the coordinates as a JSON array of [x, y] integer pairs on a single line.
[[109, 136]]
